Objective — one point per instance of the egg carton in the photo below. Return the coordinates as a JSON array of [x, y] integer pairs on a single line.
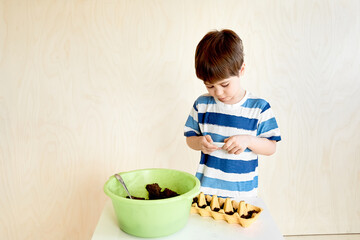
[[225, 209]]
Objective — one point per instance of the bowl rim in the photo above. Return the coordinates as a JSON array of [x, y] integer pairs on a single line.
[[189, 195]]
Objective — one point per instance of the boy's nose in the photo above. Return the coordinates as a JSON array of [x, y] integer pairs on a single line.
[[218, 92]]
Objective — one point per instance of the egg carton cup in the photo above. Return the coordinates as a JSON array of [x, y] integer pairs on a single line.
[[225, 209]]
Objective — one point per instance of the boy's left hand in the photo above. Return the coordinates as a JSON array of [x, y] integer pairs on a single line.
[[236, 144]]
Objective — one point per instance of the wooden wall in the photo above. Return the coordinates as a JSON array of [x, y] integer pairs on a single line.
[[91, 88]]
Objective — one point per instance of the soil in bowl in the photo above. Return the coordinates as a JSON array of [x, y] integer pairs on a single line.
[[155, 193]]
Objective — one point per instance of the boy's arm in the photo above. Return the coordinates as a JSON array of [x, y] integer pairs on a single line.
[[262, 146], [237, 144]]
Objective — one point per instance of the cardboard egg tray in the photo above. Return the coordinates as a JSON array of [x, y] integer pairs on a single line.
[[225, 209]]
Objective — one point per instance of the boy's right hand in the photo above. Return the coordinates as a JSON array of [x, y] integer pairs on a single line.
[[206, 144]]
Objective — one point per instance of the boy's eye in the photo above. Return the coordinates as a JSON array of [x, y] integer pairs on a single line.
[[209, 86], [225, 85]]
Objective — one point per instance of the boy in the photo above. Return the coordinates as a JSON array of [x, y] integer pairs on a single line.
[[231, 116]]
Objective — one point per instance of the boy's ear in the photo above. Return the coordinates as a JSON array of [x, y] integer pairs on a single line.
[[242, 69]]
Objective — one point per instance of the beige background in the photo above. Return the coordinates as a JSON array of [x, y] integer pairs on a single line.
[[91, 88]]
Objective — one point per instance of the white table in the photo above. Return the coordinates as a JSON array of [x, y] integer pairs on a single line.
[[197, 227]]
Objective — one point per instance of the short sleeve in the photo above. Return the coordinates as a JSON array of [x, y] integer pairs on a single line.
[[192, 126], [267, 125]]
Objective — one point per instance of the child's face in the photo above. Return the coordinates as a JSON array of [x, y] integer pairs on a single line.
[[227, 91]]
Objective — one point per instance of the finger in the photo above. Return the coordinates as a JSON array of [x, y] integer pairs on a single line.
[[208, 150], [233, 150], [212, 146], [239, 151], [209, 145], [208, 138], [228, 146], [226, 139]]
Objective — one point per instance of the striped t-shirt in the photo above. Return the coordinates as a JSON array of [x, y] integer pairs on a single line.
[[221, 173]]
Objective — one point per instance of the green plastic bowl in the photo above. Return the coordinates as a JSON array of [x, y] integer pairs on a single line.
[[152, 218]]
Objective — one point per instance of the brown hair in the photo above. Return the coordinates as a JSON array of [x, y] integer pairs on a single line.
[[219, 55]]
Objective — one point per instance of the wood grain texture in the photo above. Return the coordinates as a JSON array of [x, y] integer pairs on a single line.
[[91, 88]]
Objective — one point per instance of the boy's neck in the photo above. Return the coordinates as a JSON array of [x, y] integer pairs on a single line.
[[242, 94]]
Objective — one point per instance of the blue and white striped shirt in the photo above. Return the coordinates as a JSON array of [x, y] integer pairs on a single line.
[[221, 173]]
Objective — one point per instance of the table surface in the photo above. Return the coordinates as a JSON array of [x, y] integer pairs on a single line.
[[197, 227]]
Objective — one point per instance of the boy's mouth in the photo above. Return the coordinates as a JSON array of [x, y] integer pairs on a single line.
[[222, 99]]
